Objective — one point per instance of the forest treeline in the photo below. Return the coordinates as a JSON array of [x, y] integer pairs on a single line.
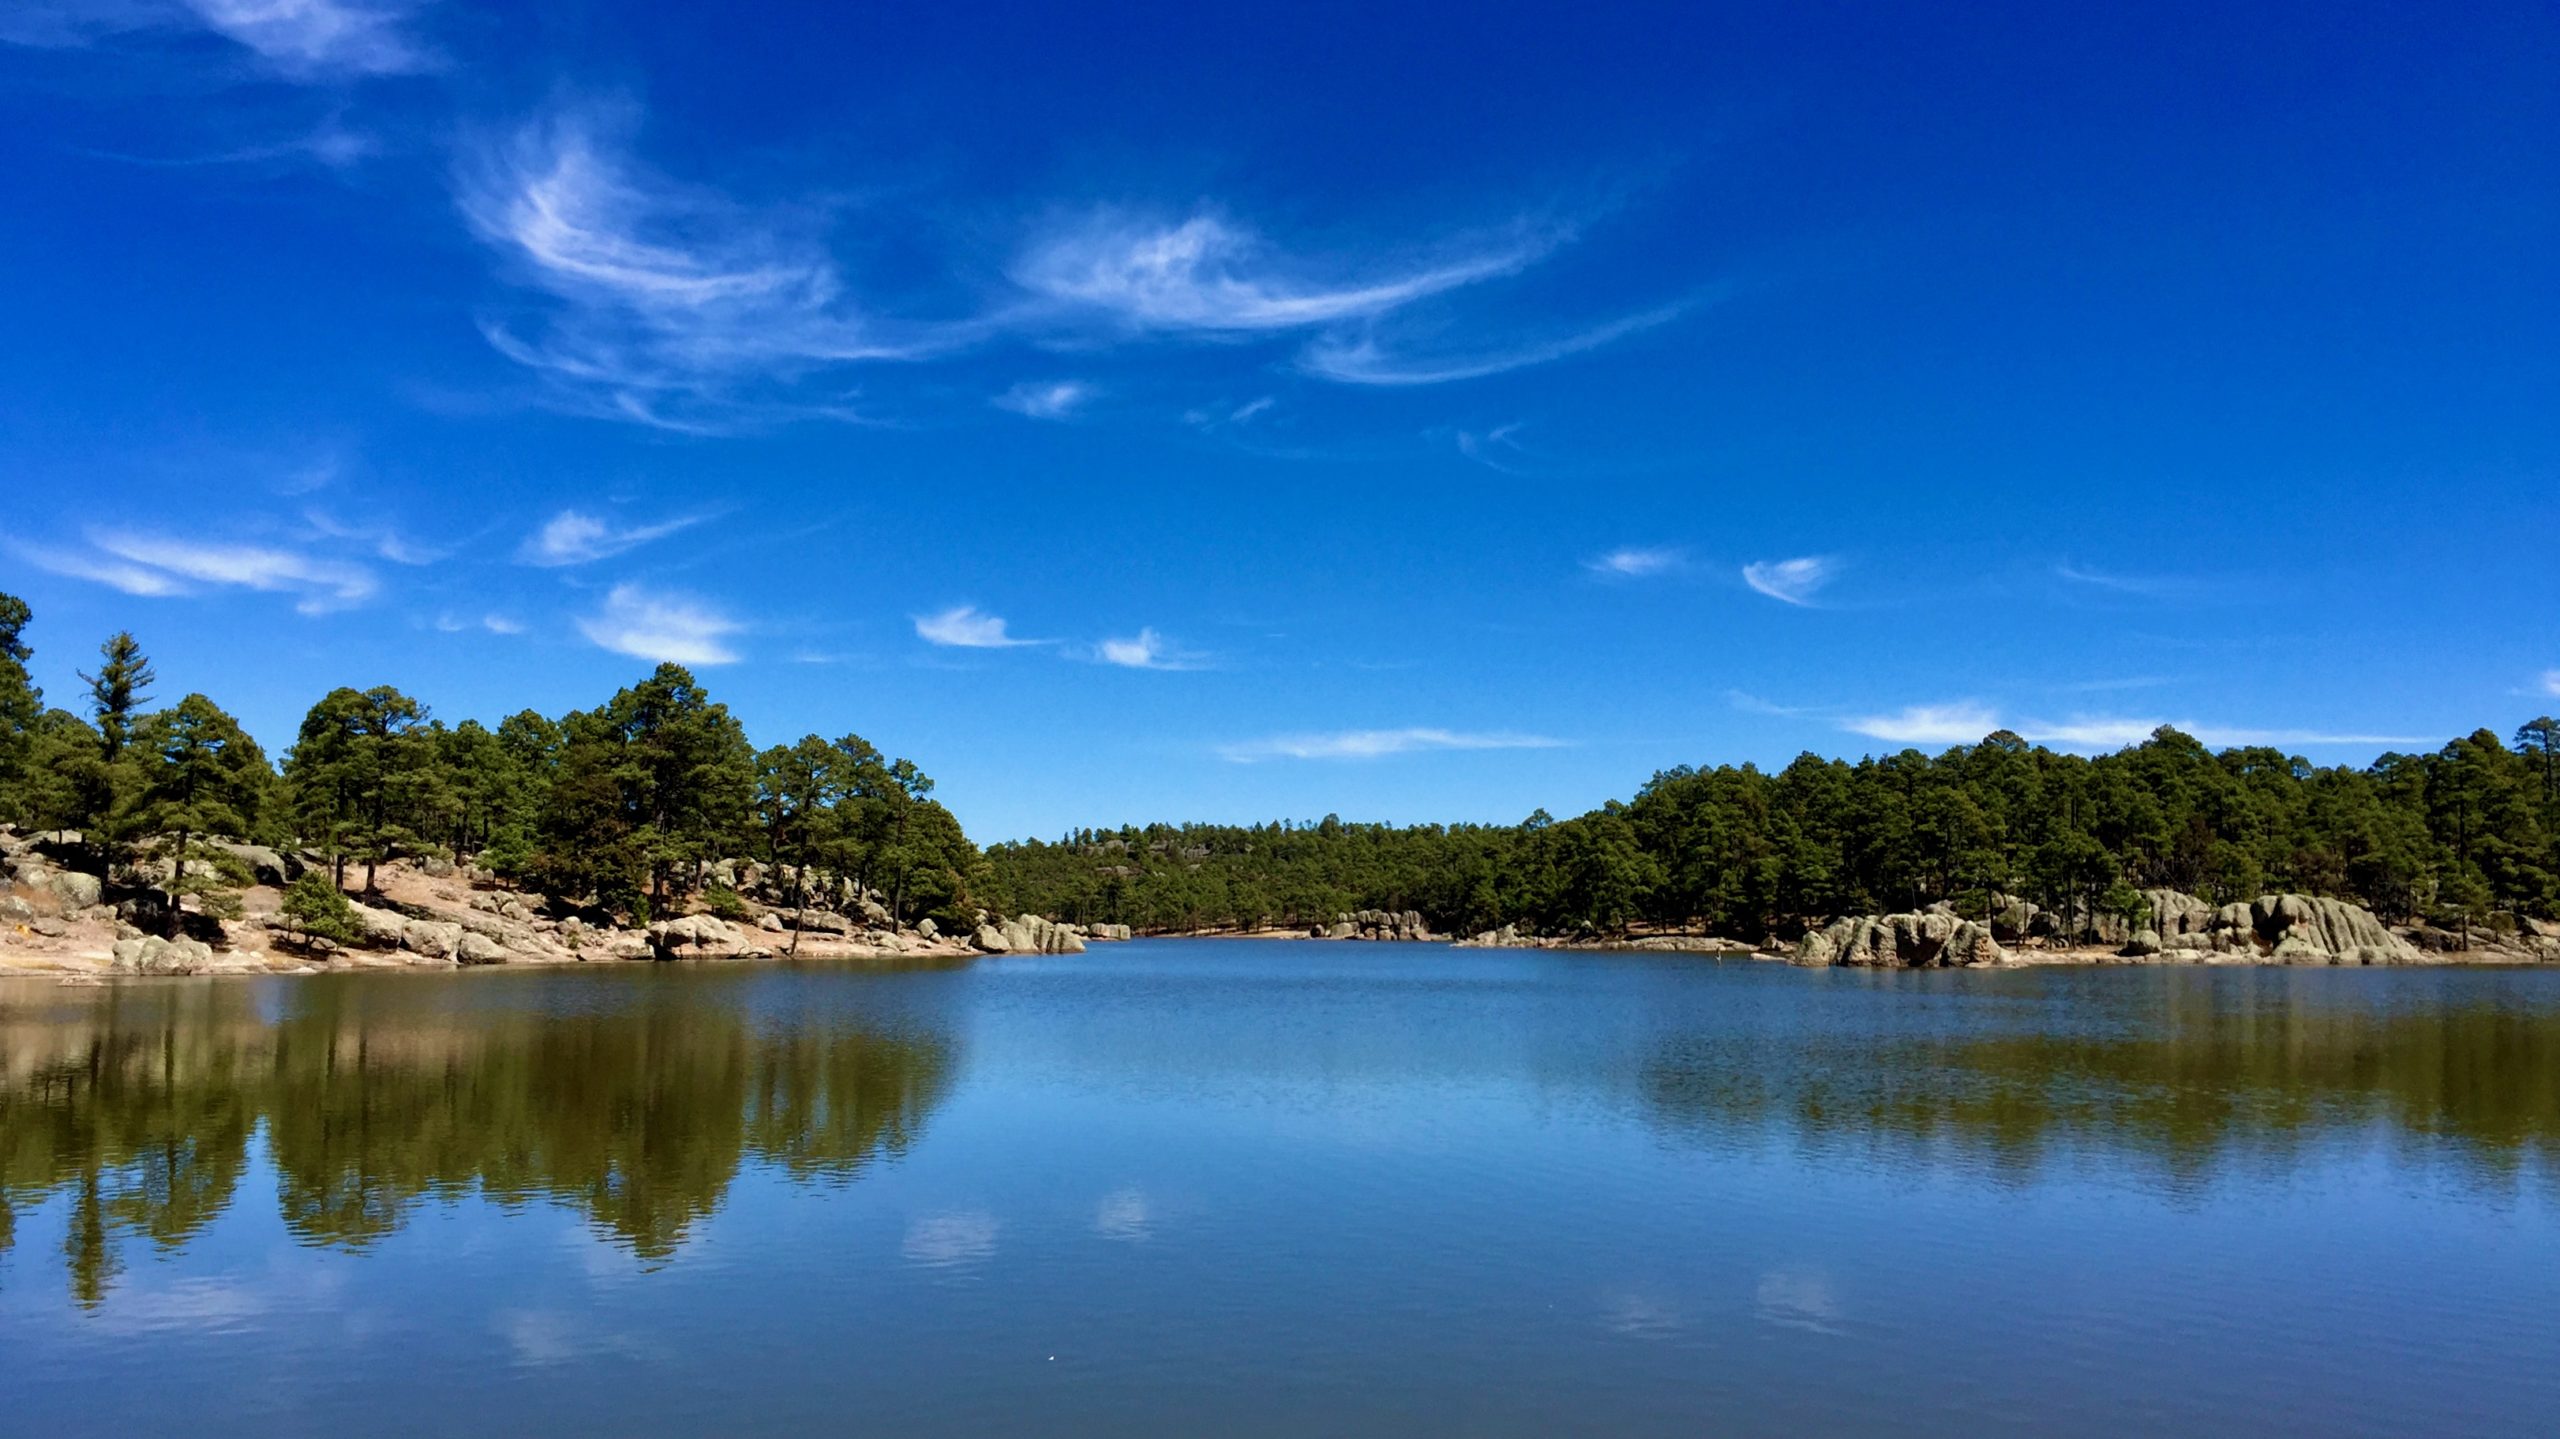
[[623, 806], [2456, 836], [626, 806]]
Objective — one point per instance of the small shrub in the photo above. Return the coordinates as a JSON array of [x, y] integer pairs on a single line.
[[316, 910], [724, 903]]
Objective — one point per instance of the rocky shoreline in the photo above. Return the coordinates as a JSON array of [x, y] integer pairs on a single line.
[[2274, 929], [61, 921]]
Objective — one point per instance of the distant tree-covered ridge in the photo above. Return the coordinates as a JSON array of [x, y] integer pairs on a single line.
[[2454, 836], [625, 805], [628, 804]]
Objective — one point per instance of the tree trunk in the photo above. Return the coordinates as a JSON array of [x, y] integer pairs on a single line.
[[177, 870]]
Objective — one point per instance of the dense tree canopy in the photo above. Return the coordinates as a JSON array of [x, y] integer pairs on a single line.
[[2455, 835], [625, 805], [629, 804]]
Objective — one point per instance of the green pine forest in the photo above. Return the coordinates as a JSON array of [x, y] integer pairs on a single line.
[[625, 806]]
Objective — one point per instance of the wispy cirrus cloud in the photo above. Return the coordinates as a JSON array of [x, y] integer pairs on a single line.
[[2551, 682], [307, 40], [493, 623], [1228, 415], [574, 537], [1047, 399], [656, 625], [1635, 562], [324, 39], [2147, 586], [384, 540], [1206, 273], [1379, 744], [153, 565], [1145, 650], [963, 627], [1962, 722], [672, 305], [1966, 721], [1497, 449], [1368, 359], [1795, 581]]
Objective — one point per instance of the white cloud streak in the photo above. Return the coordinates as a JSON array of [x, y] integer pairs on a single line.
[[1046, 399], [1364, 360], [1794, 581], [313, 41], [322, 39], [1145, 650], [1378, 744], [1959, 723], [652, 625], [963, 627], [675, 306], [1967, 721], [574, 537], [1634, 561], [1206, 274], [2551, 682], [159, 566]]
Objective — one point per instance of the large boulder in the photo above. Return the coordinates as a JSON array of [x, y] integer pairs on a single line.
[[2303, 929], [382, 928], [432, 939], [478, 948], [700, 936], [151, 954], [1378, 924], [1031, 934], [73, 890], [820, 921], [1925, 939], [265, 865]]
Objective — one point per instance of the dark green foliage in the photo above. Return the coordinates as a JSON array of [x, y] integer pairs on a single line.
[[119, 689], [201, 775], [722, 902], [317, 909], [2460, 834], [367, 777], [629, 803], [647, 789]]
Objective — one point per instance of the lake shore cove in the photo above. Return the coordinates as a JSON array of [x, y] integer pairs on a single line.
[[62, 920]]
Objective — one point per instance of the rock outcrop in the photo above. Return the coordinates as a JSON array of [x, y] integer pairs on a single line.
[[702, 936], [1925, 939], [2281, 928], [153, 955], [1376, 924], [1028, 934]]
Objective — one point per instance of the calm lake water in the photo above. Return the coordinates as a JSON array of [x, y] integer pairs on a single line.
[[1244, 1188]]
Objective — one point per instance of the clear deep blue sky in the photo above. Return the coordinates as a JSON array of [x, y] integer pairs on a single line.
[[1405, 411]]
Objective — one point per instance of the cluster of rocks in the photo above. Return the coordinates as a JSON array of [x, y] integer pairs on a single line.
[[1375, 924], [2271, 929], [35, 885], [1923, 939], [1511, 936], [2277, 928], [1028, 934]]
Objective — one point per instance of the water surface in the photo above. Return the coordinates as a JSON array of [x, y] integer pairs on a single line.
[[1259, 1188]]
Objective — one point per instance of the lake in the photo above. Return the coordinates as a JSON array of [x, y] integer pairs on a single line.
[[1273, 1188]]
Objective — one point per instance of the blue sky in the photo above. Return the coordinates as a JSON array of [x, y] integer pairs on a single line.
[[1410, 412]]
